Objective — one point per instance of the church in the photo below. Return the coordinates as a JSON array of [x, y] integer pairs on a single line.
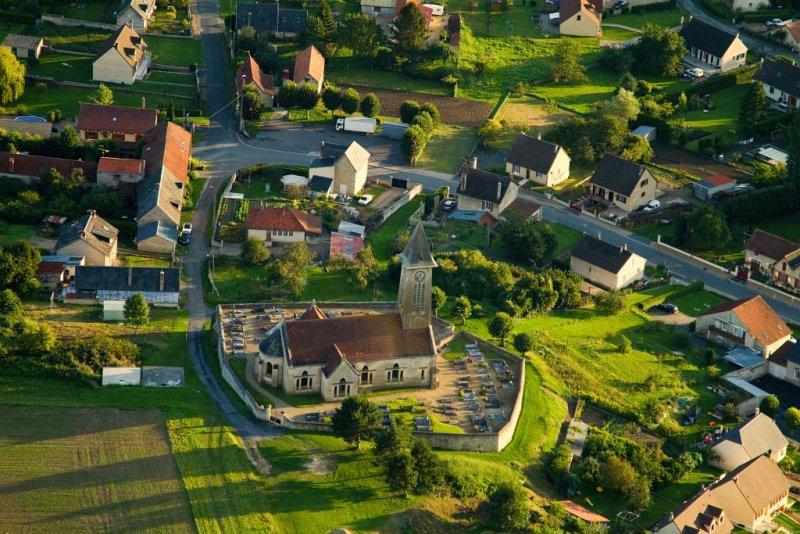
[[341, 356]]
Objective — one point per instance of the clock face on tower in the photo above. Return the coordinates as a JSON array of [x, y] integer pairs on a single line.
[[419, 276]]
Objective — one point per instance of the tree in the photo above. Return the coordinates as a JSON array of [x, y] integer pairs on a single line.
[[638, 149], [523, 343], [103, 96], [769, 405], [370, 106], [365, 268], [288, 274], [509, 507], [10, 305], [362, 34], [618, 474], [413, 143], [287, 94], [12, 76], [314, 34], [325, 16], [390, 440], [500, 326], [331, 98], [628, 82], [659, 51], [433, 111], [568, 286], [350, 101], [704, 228], [255, 251], [566, 67], [609, 303], [408, 110], [792, 418], [409, 30], [490, 131], [401, 472], [438, 299], [252, 103], [427, 465], [624, 104], [137, 310], [625, 345], [525, 241], [752, 108], [307, 97], [356, 419], [462, 308]]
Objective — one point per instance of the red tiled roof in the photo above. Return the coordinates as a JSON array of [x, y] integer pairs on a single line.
[[46, 267], [286, 219], [771, 246], [253, 74], [121, 165], [345, 245], [116, 119], [28, 165], [168, 145], [794, 29], [760, 320], [718, 180], [313, 312], [583, 513], [311, 63], [356, 338], [524, 206]]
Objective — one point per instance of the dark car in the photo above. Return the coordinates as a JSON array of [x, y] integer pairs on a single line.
[[619, 4], [184, 238], [668, 308]]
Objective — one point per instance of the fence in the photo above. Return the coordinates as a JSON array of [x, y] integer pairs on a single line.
[[52, 82], [260, 412]]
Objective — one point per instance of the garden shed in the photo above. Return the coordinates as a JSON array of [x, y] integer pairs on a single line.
[[114, 310]]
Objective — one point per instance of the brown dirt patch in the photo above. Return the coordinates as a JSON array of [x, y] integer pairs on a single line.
[[458, 111], [692, 163], [529, 113]]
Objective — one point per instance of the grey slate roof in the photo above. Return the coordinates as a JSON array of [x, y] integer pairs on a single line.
[[418, 251], [532, 153], [93, 229], [144, 279], [157, 190], [271, 18], [794, 354], [601, 254], [14, 40], [157, 228], [483, 185], [331, 150], [320, 184], [706, 37], [781, 75], [618, 175]]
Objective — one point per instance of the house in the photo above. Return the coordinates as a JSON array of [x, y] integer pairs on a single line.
[[43, 129], [774, 257], [784, 363], [742, 6], [117, 123], [581, 18], [378, 7], [749, 323], [24, 46], [309, 67], [748, 497], [454, 30], [792, 31], [157, 236], [604, 264], [55, 271], [781, 81], [159, 285], [485, 191], [249, 73], [712, 48], [30, 168], [89, 236], [755, 437], [709, 186], [167, 151], [347, 166], [622, 183], [123, 58], [113, 171], [158, 199], [349, 354], [281, 225], [271, 19], [345, 245], [136, 13], [538, 161]]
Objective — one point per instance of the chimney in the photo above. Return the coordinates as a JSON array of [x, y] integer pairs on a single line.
[[116, 45], [130, 276], [143, 106], [499, 190], [11, 165], [474, 163], [161, 281], [624, 247]]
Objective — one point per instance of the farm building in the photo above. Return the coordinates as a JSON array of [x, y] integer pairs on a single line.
[[160, 286], [709, 186], [24, 46]]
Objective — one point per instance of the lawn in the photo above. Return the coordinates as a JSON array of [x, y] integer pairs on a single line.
[[448, 147], [93, 10], [669, 19], [177, 51], [162, 341], [567, 237], [39, 100], [618, 34], [381, 241], [697, 303], [456, 235], [350, 71], [720, 121], [11, 27], [11, 233], [787, 227], [66, 67], [653, 230], [75, 469]]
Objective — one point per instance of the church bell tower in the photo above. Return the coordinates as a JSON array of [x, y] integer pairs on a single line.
[[414, 295]]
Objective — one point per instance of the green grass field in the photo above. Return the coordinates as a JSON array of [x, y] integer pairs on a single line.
[[176, 51], [381, 241], [11, 233], [787, 227], [618, 34], [83, 469], [669, 18], [349, 71], [720, 121], [448, 147], [696, 303]]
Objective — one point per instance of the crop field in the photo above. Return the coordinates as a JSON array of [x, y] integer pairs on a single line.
[[458, 111], [78, 470]]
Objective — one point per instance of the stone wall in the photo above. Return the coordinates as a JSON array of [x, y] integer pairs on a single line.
[[305, 425], [407, 197]]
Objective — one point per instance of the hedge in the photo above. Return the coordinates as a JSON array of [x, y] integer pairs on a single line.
[[716, 83], [13, 16], [681, 291], [764, 15], [719, 10], [650, 8]]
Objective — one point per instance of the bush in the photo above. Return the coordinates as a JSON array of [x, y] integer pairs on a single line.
[[609, 303]]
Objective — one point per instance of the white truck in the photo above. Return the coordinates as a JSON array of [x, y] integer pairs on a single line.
[[356, 125], [394, 130]]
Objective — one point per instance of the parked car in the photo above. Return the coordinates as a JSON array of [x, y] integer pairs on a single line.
[[619, 4], [772, 23], [695, 72], [652, 206], [448, 205], [685, 76], [363, 200], [666, 307], [187, 228], [185, 238]]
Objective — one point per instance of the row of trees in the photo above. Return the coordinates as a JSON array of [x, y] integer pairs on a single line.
[[422, 120]]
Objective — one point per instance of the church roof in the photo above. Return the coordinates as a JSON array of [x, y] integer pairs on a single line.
[[418, 251], [313, 312]]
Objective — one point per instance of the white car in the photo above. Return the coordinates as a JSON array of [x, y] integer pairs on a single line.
[[695, 72], [187, 228], [651, 206], [448, 205], [364, 200]]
